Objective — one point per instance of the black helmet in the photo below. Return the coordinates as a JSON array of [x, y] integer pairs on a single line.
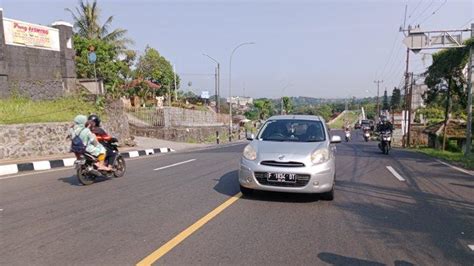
[[96, 120]]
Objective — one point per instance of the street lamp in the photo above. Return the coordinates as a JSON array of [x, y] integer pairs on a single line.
[[230, 85], [217, 81]]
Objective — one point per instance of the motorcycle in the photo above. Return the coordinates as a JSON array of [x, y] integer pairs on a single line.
[[87, 170], [348, 135], [385, 141], [366, 135]]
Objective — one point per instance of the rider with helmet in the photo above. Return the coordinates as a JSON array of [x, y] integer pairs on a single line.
[[384, 125], [102, 137]]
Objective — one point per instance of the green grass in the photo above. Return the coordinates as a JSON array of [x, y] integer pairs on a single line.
[[350, 116], [22, 110], [456, 158]]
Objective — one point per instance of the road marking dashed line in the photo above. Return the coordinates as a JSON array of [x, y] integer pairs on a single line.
[[394, 173], [471, 247], [175, 164]]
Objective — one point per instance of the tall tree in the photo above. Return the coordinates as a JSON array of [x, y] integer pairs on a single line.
[[395, 101], [264, 107], [87, 24], [287, 104], [385, 104]]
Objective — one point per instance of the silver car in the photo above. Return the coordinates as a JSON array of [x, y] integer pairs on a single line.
[[291, 153]]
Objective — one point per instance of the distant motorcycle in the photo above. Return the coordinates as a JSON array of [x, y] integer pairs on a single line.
[[366, 135], [348, 135], [87, 170], [385, 141]]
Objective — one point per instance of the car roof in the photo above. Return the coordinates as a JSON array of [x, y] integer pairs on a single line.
[[297, 117]]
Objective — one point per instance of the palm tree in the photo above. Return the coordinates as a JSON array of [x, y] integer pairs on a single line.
[[87, 25]]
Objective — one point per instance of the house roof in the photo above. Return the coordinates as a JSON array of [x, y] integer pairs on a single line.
[[456, 129]]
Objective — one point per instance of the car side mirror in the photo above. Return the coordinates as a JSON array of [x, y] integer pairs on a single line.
[[250, 136], [336, 139]]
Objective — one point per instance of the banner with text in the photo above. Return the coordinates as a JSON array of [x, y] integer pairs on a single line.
[[30, 35]]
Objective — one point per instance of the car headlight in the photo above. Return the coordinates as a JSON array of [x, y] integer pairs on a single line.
[[250, 153], [320, 156]]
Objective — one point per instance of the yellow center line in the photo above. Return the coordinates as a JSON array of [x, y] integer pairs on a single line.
[[157, 254]]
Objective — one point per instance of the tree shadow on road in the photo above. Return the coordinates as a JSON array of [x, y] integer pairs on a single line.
[[397, 215], [339, 260]]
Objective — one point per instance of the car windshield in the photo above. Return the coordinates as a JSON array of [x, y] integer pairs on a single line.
[[293, 130]]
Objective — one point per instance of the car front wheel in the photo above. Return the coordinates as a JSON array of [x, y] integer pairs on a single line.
[[329, 196]]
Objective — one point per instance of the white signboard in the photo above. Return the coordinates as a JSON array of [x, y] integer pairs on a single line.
[[26, 34], [205, 95]]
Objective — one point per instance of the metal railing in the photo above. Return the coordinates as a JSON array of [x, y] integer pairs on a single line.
[[146, 116]]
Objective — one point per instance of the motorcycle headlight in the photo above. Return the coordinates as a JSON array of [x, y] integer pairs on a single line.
[[320, 156], [250, 153]]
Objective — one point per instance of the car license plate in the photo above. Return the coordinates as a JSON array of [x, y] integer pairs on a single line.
[[280, 177]]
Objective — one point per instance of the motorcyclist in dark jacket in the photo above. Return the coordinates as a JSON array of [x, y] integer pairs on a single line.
[[102, 137], [385, 125]]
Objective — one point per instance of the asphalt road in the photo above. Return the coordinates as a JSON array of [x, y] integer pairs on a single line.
[[375, 219]]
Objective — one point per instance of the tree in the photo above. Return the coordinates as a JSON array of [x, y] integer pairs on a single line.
[[287, 104], [395, 101], [87, 25], [385, 105], [107, 67], [264, 107], [155, 68]]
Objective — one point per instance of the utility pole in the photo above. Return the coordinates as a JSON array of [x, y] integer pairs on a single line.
[[467, 152], [409, 103], [405, 115], [378, 96], [217, 82], [175, 86]]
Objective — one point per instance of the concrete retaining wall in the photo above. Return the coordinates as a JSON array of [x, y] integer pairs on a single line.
[[191, 134]]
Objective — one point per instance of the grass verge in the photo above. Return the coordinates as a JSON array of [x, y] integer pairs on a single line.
[[456, 158], [22, 110], [350, 117]]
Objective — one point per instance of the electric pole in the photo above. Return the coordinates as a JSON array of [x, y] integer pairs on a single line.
[[378, 96], [469, 98]]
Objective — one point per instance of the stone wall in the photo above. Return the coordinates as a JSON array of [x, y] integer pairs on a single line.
[[31, 140], [179, 117], [191, 134], [36, 140], [37, 73]]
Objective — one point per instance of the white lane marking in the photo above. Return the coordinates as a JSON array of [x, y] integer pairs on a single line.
[[175, 164], [149, 151], [397, 175], [69, 161], [8, 169], [471, 247], [456, 168]]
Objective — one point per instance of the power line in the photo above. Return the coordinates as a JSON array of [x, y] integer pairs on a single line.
[[424, 10], [415, 9], [434, 12]]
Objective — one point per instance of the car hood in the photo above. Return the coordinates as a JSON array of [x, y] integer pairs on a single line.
[[270, 150]]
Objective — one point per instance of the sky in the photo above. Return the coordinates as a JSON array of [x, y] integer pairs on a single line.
[[322, 49]]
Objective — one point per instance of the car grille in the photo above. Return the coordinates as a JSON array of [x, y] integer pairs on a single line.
[[282, 164], [301, 180]]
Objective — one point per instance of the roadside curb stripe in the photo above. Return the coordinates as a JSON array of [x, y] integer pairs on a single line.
[[160, 252], [9, 169]]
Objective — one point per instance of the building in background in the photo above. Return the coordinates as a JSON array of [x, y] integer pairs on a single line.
[[240, 103]]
